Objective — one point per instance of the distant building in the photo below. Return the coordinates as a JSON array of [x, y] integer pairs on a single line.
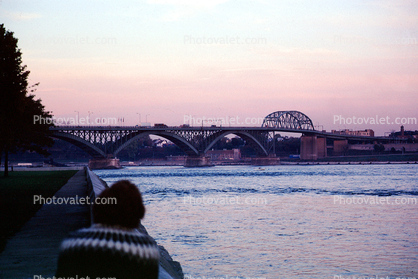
[[362, 133], [405, 135], [365, 133], [224, 155]]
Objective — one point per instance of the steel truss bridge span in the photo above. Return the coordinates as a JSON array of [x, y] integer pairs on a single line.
[[293, 119], [108, 141], [103, 142]]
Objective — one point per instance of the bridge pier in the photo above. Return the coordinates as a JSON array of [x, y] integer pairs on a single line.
[[312, 148], [200, 161], [104, 163], [322, 147], [340, 147]]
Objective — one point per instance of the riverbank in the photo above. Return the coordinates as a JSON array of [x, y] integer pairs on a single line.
[[331, 160], [169, 269], [33, 251], [40, 168], [16, 197]]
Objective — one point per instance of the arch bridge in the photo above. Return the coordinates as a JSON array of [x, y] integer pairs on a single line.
[[108, 141]]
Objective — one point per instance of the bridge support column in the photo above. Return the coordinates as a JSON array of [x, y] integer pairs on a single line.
[[104, 163], [340, 147], [200, 161], [312, 147], [308, 148], [322, 147]]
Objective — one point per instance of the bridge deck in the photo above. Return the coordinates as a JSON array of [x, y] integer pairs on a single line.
[[217, 128]]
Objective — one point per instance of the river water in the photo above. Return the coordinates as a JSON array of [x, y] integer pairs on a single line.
[[317, 221]]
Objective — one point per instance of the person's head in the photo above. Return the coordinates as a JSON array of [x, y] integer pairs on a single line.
[[127, 208]]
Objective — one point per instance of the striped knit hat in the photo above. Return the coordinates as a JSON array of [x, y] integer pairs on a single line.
[[113, 247]]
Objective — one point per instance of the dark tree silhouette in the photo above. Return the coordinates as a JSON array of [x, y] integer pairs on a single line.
[[18, 106], [379, 148]]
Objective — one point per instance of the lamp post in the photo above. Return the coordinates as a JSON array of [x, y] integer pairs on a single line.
[[139, 118]]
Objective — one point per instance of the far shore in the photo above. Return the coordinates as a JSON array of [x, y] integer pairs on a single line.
[[282, 163], [409, 158]]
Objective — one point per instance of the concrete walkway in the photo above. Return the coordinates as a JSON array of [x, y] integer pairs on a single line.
[[33, 251], [42, 168]]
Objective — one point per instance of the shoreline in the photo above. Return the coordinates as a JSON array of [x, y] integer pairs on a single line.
[[38, 256], [282, 163], [332, 160], [33, 249], [169, 268]]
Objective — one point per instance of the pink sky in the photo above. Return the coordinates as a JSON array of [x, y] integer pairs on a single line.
[[168, 59]]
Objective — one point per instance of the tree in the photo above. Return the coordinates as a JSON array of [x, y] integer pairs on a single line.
[[379, 148], [18, 106], [237, 142]]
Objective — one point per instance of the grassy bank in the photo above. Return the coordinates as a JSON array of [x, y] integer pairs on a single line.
[[16, 197]]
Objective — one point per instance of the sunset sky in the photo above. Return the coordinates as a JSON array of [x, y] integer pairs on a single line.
[[164, 59]]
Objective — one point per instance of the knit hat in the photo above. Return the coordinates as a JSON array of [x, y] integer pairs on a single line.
[[120, 205]]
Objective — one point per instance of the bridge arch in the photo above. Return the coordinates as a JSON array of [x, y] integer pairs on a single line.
[[260, 149], [86, 146], [177, 140], [288, 120]]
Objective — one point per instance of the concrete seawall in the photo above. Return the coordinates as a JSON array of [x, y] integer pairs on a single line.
[[169, 269], [33, 251]]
